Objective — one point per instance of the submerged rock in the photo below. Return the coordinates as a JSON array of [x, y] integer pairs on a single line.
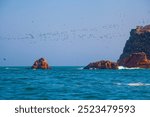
[[136, 60], [139, 41], [102, 65], [40, 64]]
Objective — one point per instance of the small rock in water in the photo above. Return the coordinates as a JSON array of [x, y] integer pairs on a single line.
[[40, 64], [102, 65]]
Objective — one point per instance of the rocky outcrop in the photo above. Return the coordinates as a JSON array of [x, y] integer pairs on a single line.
[[40, 64], [136, 52], [102, 65], [137, 60], [139, 41]]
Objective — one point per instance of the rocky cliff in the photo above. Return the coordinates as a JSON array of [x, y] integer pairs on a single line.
[[139, 41], [136, 52], [137, 60]]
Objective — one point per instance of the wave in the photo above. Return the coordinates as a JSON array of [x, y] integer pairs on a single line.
[[118, 83], [81, 68], [7, 68], [121, 67], [10, 68], [139, 84], [133, 84]]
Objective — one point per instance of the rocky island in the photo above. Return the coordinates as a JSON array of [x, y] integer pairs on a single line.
[[40, 64], [102, 65], [136, 52]]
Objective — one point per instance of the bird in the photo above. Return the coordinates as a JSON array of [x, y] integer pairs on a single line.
[[4, 59], [31, 36]]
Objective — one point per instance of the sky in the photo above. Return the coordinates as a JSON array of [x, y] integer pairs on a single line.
[[67, 32]]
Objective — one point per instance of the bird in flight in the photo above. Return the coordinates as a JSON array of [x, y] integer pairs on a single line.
[[4, 59]]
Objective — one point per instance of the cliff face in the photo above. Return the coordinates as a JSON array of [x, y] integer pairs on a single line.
[[136, 52], [137, 60], [139, 41]]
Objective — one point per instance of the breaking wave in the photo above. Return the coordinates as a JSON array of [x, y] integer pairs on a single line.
[[121, 67], [133, 84], [10, 68], [81, 68], [139, 84]]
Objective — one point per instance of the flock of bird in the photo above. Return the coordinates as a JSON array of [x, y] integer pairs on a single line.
[[99, 32], [110, 31]]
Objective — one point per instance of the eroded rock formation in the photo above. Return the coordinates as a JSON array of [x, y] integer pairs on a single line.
[[102, 65], [137, 60], [40, 64]]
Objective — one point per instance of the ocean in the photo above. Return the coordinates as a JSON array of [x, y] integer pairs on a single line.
[[74, 83]]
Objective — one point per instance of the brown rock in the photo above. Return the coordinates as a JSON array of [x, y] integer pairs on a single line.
[[136, 60], [141, 29], [102, 65], [40, 64]]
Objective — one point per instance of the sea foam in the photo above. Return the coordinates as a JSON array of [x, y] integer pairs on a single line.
[[121, 67], [81, 68], [139, 84], [133, 84]]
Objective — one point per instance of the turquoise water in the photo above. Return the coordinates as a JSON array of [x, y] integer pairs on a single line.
[[73, 83]]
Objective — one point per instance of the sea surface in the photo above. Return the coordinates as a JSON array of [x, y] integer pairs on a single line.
[[74, 83]]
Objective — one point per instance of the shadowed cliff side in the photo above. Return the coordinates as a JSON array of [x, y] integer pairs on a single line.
[[139, 41]]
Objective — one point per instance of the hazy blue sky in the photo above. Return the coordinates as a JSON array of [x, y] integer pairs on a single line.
[[67, 32]]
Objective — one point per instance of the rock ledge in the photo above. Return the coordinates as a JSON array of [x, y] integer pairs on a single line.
[[102, 65], [136, 60]]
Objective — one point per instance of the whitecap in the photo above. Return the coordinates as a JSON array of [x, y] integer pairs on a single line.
[[118, 83], [81, 68], [11, 68], [138, 84], [92, 68], [121, 67], [133, 84]]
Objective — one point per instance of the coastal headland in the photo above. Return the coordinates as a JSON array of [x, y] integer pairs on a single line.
[[136, 52]]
